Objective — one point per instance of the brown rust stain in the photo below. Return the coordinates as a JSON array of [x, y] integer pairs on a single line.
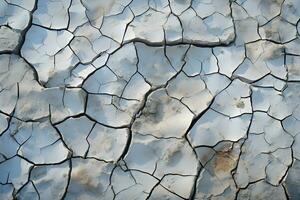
[[240, 104], [83, 177], [224, 162]]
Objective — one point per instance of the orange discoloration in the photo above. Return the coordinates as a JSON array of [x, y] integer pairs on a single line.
[[83, 177], [224, 162]]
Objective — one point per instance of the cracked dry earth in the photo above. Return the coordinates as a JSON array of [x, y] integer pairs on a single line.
[[149, 99]]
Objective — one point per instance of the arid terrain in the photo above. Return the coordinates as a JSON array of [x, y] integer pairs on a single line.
[[150, 99]]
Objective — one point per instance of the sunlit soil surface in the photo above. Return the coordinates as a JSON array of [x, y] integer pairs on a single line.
[[149, 99]]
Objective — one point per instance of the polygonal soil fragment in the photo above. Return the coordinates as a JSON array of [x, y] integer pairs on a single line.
[[115, 26], [200, 61], [52, 14], [261, 10], [160, 192], [178, 185], [89, 180], [15, 14], [266, 153], [214, 127], [196, 22], [161, 156], [278, 30], [215, 180], [191, 91], [293, 180], [107, 143], [14, 171], [278, 104], [246, 27], [6, 191], [234, 100], [59, 103], [290, 11], [163, 116], [229, 58], [41, 48], [131, 184], [261, 191], [293, 69], [111, 110], [153, 65], [14, 70], [117, 75], [39, 142], [263, 57], [213, 30], [8, 39], [43, 176], [28, 192], [74, 132]]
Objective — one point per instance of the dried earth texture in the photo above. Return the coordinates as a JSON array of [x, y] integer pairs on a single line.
[[150, 99]]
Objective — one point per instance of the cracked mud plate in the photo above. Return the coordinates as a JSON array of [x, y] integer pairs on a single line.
[[149, 99]]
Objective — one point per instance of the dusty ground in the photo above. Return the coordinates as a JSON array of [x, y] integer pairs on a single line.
[[149, 99]]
